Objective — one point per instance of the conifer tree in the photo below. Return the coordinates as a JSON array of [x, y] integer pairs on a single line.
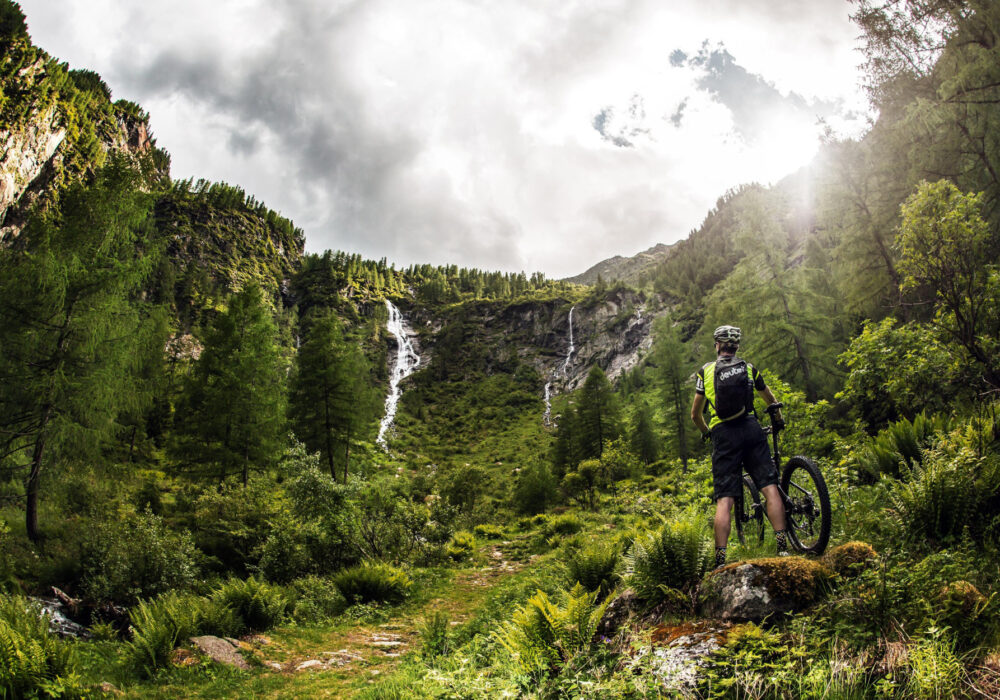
[[234, 412], [331, 399], [644, 442], [674, 365], [73, 332], [597, 415]]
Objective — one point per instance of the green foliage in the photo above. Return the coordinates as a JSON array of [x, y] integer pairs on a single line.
[[133, 556], [158, 627], [373, 582], [315, 599], [673, 557], [74, 338], [935, 670], [462, 546], [899, 448], [545, 634], [755, 662], [488, 531], [257, 605], [332, 403], [12, 23], [941, 494], [33, 662], [535, 489], [596, 567], [233, 410], [434, 637], [948, 254], [563, 524], [899, 371]]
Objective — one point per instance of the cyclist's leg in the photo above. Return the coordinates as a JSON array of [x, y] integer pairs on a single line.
[[775, 506], [764, 473], [723, 509]]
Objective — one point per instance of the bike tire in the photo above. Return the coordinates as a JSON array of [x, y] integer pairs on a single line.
[[807, 510], [749, 515]]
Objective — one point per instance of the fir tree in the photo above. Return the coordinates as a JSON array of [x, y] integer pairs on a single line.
[[598, 415]]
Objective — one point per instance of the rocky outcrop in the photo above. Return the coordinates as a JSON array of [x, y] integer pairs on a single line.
[[762, 588], [25, 152], [221, 651]]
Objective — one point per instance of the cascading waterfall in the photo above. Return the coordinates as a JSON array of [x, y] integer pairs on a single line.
[[407, 360], [547, 416]]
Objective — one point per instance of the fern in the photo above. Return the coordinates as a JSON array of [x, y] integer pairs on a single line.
[[671, 559], [544, 634], [595, 567], [31, 659]]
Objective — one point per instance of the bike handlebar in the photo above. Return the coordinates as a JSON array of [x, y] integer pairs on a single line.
[[774, 407]]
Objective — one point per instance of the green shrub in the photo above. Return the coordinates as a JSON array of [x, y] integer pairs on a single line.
[[488, 531], [158, 627], [900, 447], [434, 638], [232, 523], [935, 504], [595, 567], [535, 489], [33, 663], [373, 582], [544, 634], [935, 671], [462, 546], [674, 557], [256, 604], [135, 557], [315, 599], [565, 524]]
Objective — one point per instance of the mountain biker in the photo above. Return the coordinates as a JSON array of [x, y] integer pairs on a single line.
[[726, 387]]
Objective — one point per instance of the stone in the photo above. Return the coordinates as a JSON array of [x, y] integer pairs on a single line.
[[220, 651], [757, 589], [677, 653], [617, 613], [310, 664], [110, 689], [274, 666]]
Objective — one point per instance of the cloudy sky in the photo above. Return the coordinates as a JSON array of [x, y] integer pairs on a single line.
[[517, 135]]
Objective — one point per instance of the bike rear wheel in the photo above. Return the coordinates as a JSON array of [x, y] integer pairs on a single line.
[[807, 508], [749, 515]]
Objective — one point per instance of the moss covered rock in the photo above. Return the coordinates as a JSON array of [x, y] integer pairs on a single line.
[[850, 558], [757, 589]]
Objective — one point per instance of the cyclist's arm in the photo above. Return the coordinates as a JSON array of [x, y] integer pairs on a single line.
[[697, 412], [769, 399]]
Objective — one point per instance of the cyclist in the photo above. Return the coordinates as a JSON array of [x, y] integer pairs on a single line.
[[725, 387]]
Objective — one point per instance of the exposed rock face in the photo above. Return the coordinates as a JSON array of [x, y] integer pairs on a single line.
[[617, 612], [25, 152], [758, 589], [220, 650], [678, 652]]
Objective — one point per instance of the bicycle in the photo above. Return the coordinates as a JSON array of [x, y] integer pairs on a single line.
[[807, 509]]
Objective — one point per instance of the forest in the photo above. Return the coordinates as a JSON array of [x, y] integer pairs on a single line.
[[190, 405]]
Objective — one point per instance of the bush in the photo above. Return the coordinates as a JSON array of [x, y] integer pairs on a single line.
[[158, 626], [433, 632], [373, 583], [565, 524], [674, 557], [33, 662], [231, 524], [935, 671], [899, 448], [488, 531], [937, 502], [535, 489], [257, 605], [462, 546], [544, 635], [595, 567], [315, 599], [136, 557]]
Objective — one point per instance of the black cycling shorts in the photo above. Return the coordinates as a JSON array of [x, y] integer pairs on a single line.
[[737, 445]]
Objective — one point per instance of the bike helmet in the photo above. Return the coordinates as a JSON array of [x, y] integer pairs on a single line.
[[728, 335]]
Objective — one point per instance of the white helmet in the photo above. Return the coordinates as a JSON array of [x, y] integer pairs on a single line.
[[727, 334]]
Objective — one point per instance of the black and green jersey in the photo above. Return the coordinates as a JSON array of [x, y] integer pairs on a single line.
[[728, 381]]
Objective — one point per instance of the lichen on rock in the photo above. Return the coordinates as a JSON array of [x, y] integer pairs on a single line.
[[760, 588]]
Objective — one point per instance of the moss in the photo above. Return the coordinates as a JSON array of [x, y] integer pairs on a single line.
[[850, 559], [962, 597], [798, 580]]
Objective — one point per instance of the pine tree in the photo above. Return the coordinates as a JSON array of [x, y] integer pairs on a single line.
[[73, 333], [644, 442], [234, 412], [331, 399], [598, 414], [673, 365]]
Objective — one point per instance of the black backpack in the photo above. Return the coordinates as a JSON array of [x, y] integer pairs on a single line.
[[733, 388]]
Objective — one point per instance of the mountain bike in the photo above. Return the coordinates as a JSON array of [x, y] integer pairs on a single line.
[[803, 490]]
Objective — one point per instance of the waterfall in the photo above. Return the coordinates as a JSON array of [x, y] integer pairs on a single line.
[[572, 348], [407, 360], [547, 416]]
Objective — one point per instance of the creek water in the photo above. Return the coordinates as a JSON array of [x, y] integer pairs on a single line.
[[407, 360]]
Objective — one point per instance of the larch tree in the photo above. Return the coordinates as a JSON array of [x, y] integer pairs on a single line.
[[74, 332], [673, 365]]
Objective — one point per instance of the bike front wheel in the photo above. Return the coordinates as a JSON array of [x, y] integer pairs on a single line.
[[749, 515], [807, 506]]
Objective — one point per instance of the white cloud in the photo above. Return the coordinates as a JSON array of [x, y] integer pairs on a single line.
[[460, 132]]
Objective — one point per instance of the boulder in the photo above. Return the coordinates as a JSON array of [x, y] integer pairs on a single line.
[[221, 651], [761, 588], [617, 612], [851, 558]]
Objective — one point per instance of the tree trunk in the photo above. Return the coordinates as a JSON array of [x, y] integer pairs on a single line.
[[347, 450], [34, 479]]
